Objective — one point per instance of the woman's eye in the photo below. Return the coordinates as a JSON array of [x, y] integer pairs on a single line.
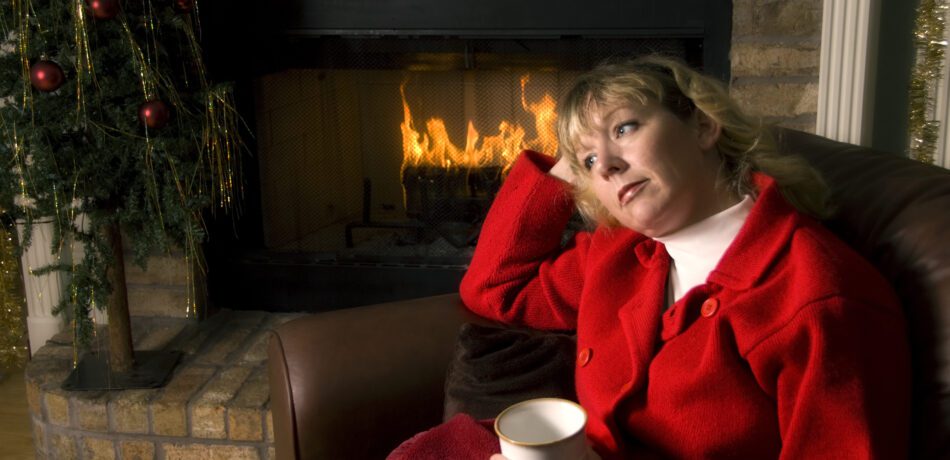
[[589, 161], [627, 127]]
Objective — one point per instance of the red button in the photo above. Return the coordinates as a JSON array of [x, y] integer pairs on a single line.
[[709, 307], [583, 357]]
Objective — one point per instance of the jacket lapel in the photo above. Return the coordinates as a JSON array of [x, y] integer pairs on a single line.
[[640, 316]]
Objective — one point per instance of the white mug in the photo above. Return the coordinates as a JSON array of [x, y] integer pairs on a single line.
[[542, 429]]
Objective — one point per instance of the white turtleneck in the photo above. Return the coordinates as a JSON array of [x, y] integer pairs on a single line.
[[696, 249]]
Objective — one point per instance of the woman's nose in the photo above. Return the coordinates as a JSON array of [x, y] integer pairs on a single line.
[[610, 163]]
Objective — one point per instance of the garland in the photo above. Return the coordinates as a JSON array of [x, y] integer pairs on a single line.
[[931, 43], [12, 330]]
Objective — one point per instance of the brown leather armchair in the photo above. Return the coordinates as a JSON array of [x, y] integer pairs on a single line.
[[355, 383]]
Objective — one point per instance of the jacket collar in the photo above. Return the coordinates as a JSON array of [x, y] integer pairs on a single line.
[[764, 235], [767, 230]]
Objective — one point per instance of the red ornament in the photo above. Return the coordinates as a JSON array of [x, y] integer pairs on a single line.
[[154, 113], [104, 9], [184, 6], [46, 75]]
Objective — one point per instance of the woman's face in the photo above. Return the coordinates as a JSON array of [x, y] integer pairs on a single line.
[[654, 172]]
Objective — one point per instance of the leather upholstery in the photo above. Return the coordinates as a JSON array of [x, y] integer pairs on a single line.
[[355, 383]]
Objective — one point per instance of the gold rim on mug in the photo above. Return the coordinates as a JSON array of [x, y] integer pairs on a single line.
[[528, 401]]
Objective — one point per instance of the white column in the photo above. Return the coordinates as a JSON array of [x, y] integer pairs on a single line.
[[43, 292], [77, 252], [846, 77]]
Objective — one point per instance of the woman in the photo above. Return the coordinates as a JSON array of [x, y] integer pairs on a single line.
[[715, 317]]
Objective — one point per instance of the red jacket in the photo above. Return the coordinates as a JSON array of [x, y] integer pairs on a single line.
[[793, 348]]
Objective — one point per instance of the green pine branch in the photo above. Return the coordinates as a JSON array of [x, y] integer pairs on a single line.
[[82, 148]]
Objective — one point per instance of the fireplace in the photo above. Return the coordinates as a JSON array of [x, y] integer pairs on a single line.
[[384, 131]]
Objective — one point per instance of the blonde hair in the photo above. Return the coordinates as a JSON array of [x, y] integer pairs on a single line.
[[744, 145]]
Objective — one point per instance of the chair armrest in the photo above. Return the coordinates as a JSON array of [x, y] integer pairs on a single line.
[[355, 383]]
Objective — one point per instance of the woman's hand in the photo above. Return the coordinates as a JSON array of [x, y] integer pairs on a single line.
[[562, 170]]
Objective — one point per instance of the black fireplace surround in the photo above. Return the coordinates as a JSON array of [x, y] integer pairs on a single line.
[[245, 41]]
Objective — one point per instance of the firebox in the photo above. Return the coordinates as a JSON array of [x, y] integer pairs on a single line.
[[383, 133]]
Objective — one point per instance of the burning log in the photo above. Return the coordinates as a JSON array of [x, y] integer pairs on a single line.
[[435, 195]]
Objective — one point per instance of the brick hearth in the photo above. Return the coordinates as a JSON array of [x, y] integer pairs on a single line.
[[216, 404]]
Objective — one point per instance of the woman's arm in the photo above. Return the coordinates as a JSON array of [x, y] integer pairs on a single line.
[[840, 377], [520, 274]]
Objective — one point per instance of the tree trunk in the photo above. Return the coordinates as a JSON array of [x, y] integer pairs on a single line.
[[120, 331]]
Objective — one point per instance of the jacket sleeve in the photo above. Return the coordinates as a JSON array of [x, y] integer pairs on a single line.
[[840, 375], [519, 273]]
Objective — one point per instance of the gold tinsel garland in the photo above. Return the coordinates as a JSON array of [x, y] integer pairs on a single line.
[[931, 44], [13, 347]]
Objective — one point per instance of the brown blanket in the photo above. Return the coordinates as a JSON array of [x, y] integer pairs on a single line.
[[495, 367]]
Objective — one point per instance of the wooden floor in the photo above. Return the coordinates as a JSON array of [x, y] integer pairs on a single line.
[[16, 439]]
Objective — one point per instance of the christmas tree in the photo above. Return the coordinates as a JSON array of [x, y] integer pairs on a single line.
[[107, 112]]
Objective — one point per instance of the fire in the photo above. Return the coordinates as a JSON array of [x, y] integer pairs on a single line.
[[433, 147], [545, 119]]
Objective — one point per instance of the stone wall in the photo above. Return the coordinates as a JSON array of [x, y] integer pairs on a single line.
[[775, 58], [216, 404], [163, 289]]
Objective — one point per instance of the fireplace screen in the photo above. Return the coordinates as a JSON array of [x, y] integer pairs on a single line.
[[383, 164], [399, 159]]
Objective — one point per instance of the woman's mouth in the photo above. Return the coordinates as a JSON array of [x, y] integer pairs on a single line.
[[627, 192]]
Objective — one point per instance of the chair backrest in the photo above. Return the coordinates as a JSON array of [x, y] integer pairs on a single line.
[[896, 212]]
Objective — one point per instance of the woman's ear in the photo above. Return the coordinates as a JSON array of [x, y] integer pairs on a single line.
[[708, 130]]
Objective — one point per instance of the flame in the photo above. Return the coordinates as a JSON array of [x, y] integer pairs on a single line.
[[545, 118], [434, 148]]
